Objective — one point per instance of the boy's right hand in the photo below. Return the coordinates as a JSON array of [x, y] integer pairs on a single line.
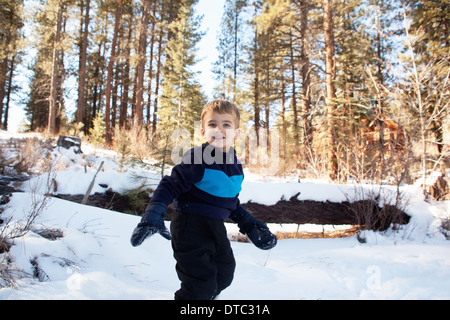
[[152, 222]]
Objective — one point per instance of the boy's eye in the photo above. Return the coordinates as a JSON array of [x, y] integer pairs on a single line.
[[212, 125]]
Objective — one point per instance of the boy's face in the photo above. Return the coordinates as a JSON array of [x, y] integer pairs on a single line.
[[220, 129]]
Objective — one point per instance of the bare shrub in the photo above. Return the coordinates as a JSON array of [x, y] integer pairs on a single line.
[[379, 209], [11, 229], [8, 271], [49, 233], [445, 227], [138, 146], [38, 272], [29, 155], [134, 142]]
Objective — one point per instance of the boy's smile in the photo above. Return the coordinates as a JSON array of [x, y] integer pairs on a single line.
[[220, 130]]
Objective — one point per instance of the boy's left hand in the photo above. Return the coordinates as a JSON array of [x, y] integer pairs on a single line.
[[258, 233], [261, 236]]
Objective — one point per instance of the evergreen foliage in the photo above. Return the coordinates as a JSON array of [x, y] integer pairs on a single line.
[[182, 99], [97, 132], [329, 75]]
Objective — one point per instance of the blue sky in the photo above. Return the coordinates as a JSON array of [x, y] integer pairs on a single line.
[[212, 11]]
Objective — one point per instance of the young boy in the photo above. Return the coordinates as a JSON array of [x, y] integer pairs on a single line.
[[204, 190]]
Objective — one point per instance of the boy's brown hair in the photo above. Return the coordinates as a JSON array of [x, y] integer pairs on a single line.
[[222, 106]]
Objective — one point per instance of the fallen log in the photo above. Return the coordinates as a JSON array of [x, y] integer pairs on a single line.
[[302, 212], [364, 212], [284, 211]]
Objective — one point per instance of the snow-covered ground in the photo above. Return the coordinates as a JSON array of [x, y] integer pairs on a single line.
[[94, 258]]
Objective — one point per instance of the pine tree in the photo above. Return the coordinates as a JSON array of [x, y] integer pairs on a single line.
[[36, 108], [255, 67], [270, 53], [430, 26], [353, 56], [229, 66], [56, 76], [97, 133], [11, 23], [48, 70], [182, 99]]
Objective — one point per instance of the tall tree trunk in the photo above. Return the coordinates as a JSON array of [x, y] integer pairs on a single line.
[[80, 116], [116, 85], [158, 74], [379, 60], [53, 103], [294, 98], [235, 60], [283, 120], [8, 93], [142, 49], [112, 59], [126, 75], [256, 80], [150, 76], [6, 38], [331, 91], [3, 75], [306, 78]]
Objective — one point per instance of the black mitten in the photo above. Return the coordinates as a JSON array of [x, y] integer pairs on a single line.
[[261, 236], [152, 222], [258, 233]]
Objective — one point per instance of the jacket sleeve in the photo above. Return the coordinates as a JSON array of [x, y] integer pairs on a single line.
[[182, 179], [239, 214]]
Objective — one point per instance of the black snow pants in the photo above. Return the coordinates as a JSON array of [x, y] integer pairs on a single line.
[[205, 261]]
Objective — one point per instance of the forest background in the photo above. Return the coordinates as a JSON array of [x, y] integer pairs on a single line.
[[356, 89]]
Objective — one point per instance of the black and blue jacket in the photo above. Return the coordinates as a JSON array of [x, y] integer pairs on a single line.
[[206, 182]]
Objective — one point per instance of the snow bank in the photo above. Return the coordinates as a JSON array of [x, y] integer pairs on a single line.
[[94, 258]]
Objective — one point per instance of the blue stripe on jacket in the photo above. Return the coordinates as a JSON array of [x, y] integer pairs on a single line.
[[217, 183]]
